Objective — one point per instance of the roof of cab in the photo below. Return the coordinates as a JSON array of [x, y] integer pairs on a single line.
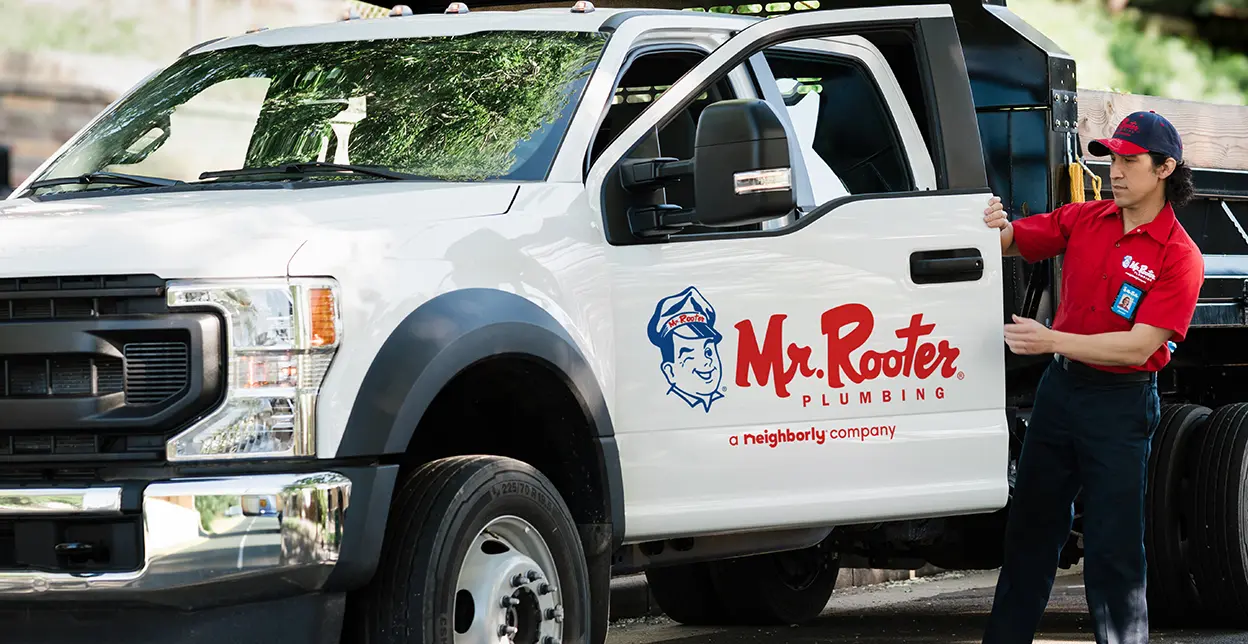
[[423, 25]]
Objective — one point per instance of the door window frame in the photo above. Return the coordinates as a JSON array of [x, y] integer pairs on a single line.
[[857, 51], [959, 164]]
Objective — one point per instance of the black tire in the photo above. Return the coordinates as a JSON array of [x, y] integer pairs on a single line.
[[777, 589], [437, 512], [1173, 598], [1221, 509], [685, 593]]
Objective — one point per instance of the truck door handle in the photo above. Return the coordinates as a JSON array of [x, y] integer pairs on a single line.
[[949, 265]]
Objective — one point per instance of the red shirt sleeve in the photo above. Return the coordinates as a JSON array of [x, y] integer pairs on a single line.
[[1045, 235], [1171, 302]]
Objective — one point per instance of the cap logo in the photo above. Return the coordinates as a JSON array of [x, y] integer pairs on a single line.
[[1128, 127]]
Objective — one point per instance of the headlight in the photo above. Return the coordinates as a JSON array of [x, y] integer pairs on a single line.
[[281, 336]]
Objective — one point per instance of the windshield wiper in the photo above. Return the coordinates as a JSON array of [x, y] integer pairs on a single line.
[[310, 168], [105, 177]]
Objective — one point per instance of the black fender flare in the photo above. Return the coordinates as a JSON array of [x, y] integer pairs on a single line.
[[450, 333]]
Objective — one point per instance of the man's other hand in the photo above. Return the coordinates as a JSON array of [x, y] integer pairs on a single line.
[[1027, 337]]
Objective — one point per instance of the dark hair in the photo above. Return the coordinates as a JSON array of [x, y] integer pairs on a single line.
[[1179, 187]]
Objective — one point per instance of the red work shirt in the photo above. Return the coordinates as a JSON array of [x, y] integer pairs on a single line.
[[1111, 280]]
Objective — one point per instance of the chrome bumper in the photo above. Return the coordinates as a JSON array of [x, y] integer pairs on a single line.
[[194, 540]]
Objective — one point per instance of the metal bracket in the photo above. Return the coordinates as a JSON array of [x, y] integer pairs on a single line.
[[1065, 109]]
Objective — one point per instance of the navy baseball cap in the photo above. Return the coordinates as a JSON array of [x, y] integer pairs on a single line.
[[1139, 133]]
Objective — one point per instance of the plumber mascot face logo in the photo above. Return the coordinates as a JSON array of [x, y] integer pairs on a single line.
[[683, 328]]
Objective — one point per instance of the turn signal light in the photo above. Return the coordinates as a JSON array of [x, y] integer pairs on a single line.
[[457, 7], [400, 10], [322, 313], [583, 6]]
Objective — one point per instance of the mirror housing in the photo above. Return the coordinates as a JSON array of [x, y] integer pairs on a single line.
[[740, 169], [741, 160]]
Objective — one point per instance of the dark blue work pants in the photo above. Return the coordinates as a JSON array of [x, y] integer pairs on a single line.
[[1091, 434]]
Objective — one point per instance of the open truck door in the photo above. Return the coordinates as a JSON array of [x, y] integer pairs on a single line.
[[839, 362]]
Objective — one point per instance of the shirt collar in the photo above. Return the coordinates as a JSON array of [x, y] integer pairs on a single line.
[[1159, 228]]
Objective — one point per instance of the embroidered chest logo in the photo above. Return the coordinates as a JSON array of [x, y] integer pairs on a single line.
[[1137, 270]]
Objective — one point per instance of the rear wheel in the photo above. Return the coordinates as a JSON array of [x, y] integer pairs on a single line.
[[779, 588], [478, 548], [791, 587], [685, 593], [1221, 512], [1173, 599]]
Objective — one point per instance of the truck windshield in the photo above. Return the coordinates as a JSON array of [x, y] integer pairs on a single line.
[[481, 106]]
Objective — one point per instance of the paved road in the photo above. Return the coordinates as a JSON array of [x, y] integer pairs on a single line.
[[946, 609]]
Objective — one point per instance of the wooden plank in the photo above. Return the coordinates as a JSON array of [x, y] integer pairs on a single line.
[[1214, 136]]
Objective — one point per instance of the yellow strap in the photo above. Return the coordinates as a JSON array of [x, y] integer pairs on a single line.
[[1076, 183]]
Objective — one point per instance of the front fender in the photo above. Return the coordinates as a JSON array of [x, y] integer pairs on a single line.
[[450, 333]]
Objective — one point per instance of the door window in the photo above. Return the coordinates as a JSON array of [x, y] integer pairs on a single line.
[[645, 80], [839, 112]]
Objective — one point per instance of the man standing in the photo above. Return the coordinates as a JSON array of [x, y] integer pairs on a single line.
[[1130, 281]]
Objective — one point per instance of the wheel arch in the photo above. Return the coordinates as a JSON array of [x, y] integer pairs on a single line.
[[455, 333]]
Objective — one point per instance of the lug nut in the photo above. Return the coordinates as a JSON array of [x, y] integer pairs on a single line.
[[546, 589], [534, 575], [506, 631], [509, 601], [555, 613], [518, 581]]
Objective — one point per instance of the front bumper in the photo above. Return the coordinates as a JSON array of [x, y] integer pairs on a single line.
[[207, 541]]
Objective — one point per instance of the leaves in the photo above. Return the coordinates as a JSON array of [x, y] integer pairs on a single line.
[[1138, 52]]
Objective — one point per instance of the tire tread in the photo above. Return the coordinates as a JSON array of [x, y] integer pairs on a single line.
[[1222, 570], [1172, 600], [428, 495]]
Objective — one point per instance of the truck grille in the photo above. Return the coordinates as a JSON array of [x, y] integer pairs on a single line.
[[98, 368], [155, 371], [69, 298], [59, 376]]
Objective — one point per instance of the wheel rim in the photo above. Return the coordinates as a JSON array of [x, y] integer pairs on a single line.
[[508, 588]]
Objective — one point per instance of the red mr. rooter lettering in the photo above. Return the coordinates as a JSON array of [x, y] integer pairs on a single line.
[[769, 362]]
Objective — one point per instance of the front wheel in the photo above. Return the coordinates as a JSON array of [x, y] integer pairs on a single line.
[[478, 548]]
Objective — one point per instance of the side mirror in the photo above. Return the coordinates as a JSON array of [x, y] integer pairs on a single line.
[[740, 169], [741, 161]]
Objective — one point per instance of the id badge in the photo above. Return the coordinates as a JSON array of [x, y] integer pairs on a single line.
[[1127, 301]]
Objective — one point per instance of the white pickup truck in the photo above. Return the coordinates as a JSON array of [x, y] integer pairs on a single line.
[[495, 305]]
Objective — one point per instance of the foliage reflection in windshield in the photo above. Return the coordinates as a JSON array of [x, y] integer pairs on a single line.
[[473, 107]]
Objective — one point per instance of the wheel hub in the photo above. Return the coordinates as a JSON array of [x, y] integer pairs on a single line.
[[508, 588]]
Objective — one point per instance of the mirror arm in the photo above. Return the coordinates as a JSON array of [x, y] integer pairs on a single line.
[[659, 221], [644, 175]]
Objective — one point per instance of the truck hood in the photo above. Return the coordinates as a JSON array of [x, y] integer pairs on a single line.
[[244, 232]]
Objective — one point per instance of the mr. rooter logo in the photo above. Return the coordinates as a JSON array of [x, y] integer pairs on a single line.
[[845, 330]]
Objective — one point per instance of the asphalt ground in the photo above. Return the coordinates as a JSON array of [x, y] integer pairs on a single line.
[[949, 608]]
